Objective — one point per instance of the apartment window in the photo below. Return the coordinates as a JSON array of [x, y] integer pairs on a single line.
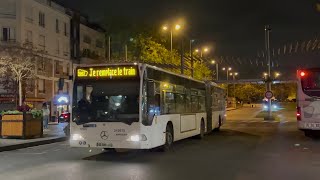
[[65, 29], [42, 42], [99, 44], [57, 67], [41, 19], [8, 34], [66, 49], [41, 65], [87, 39], [57, 26], [29, 36], [65, 69], [41, 85]]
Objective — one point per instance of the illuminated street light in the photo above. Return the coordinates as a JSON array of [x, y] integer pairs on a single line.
[[176, 27], [217, 69], [165, 28], [277, 74], [202, 51]]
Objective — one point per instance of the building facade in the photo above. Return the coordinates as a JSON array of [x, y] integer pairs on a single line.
[[45, 26], [87, 40]]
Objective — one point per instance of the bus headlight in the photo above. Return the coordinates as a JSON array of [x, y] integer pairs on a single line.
[[77, 137], [137, 137], [265, 107], [275, 106]]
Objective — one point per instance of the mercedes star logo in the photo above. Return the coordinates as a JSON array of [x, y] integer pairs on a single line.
[[104, 135]]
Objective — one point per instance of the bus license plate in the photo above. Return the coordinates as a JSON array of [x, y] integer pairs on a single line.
[[312, 125], [107, 145]]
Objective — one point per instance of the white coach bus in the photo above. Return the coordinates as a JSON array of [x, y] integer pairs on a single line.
[[308, 101], [138, 106]]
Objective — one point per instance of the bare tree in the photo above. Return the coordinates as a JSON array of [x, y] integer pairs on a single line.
[[19, 63]]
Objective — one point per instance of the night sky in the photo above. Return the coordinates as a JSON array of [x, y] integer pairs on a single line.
[[235, 27]]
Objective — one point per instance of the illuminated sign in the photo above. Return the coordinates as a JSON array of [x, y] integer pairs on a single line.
[[61, 99], [105, 72]]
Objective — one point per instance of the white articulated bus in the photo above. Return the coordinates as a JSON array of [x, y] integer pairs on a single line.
[[138, 106], [308, 101]]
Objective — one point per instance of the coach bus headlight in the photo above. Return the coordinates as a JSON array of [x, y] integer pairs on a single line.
[[137, 137], [77, 137]]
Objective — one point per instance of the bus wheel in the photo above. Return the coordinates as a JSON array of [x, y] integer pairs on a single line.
[[169, 138], [202, 130]]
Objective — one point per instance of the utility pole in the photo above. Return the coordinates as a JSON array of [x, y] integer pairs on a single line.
[[182, 58], [268, 82], [126, 52], [109, 48], [217, 71], [191, 57]]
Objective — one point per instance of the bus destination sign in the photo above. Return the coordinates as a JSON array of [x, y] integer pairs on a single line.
[[106, 72]]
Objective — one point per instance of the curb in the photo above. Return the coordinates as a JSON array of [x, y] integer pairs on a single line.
[[31, 144]]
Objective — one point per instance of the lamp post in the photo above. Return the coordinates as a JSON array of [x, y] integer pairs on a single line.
[[269, 81], [202, 51], [217, 69], [227, 69], [176, 27], [234, 85], [191, 57]]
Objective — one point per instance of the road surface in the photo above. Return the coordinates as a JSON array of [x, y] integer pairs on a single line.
[[246, 148]]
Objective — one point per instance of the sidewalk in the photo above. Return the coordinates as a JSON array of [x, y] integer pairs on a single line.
[[54, 134]]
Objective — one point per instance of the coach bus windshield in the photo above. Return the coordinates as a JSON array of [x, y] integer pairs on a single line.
[[106, 101], [310, 81]]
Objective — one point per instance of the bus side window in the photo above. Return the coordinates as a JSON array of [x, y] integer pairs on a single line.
[[194, 104], [180, 103], [202, 102], [169, 103], [188, 103]]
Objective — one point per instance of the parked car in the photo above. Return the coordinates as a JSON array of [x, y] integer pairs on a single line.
[[64, 117]]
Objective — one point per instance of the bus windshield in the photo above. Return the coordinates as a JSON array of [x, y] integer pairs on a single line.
[[310, 82], [106, 101]]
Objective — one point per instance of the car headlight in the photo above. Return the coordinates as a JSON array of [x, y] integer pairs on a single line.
[[138, 137], [77, 137], [275, 106], [265, 107]]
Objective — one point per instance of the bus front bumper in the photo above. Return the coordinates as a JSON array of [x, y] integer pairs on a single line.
[[308, 125], [110, 144]]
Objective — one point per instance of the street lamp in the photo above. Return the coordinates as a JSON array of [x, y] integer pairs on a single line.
[[234, 86], [217, 69], [277, 74], [227, 69], [202, 51], [176, 27]]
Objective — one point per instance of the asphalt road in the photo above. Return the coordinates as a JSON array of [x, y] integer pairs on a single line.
[[246, 148]]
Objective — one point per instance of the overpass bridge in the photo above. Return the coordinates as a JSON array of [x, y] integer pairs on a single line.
[[253, 81]]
